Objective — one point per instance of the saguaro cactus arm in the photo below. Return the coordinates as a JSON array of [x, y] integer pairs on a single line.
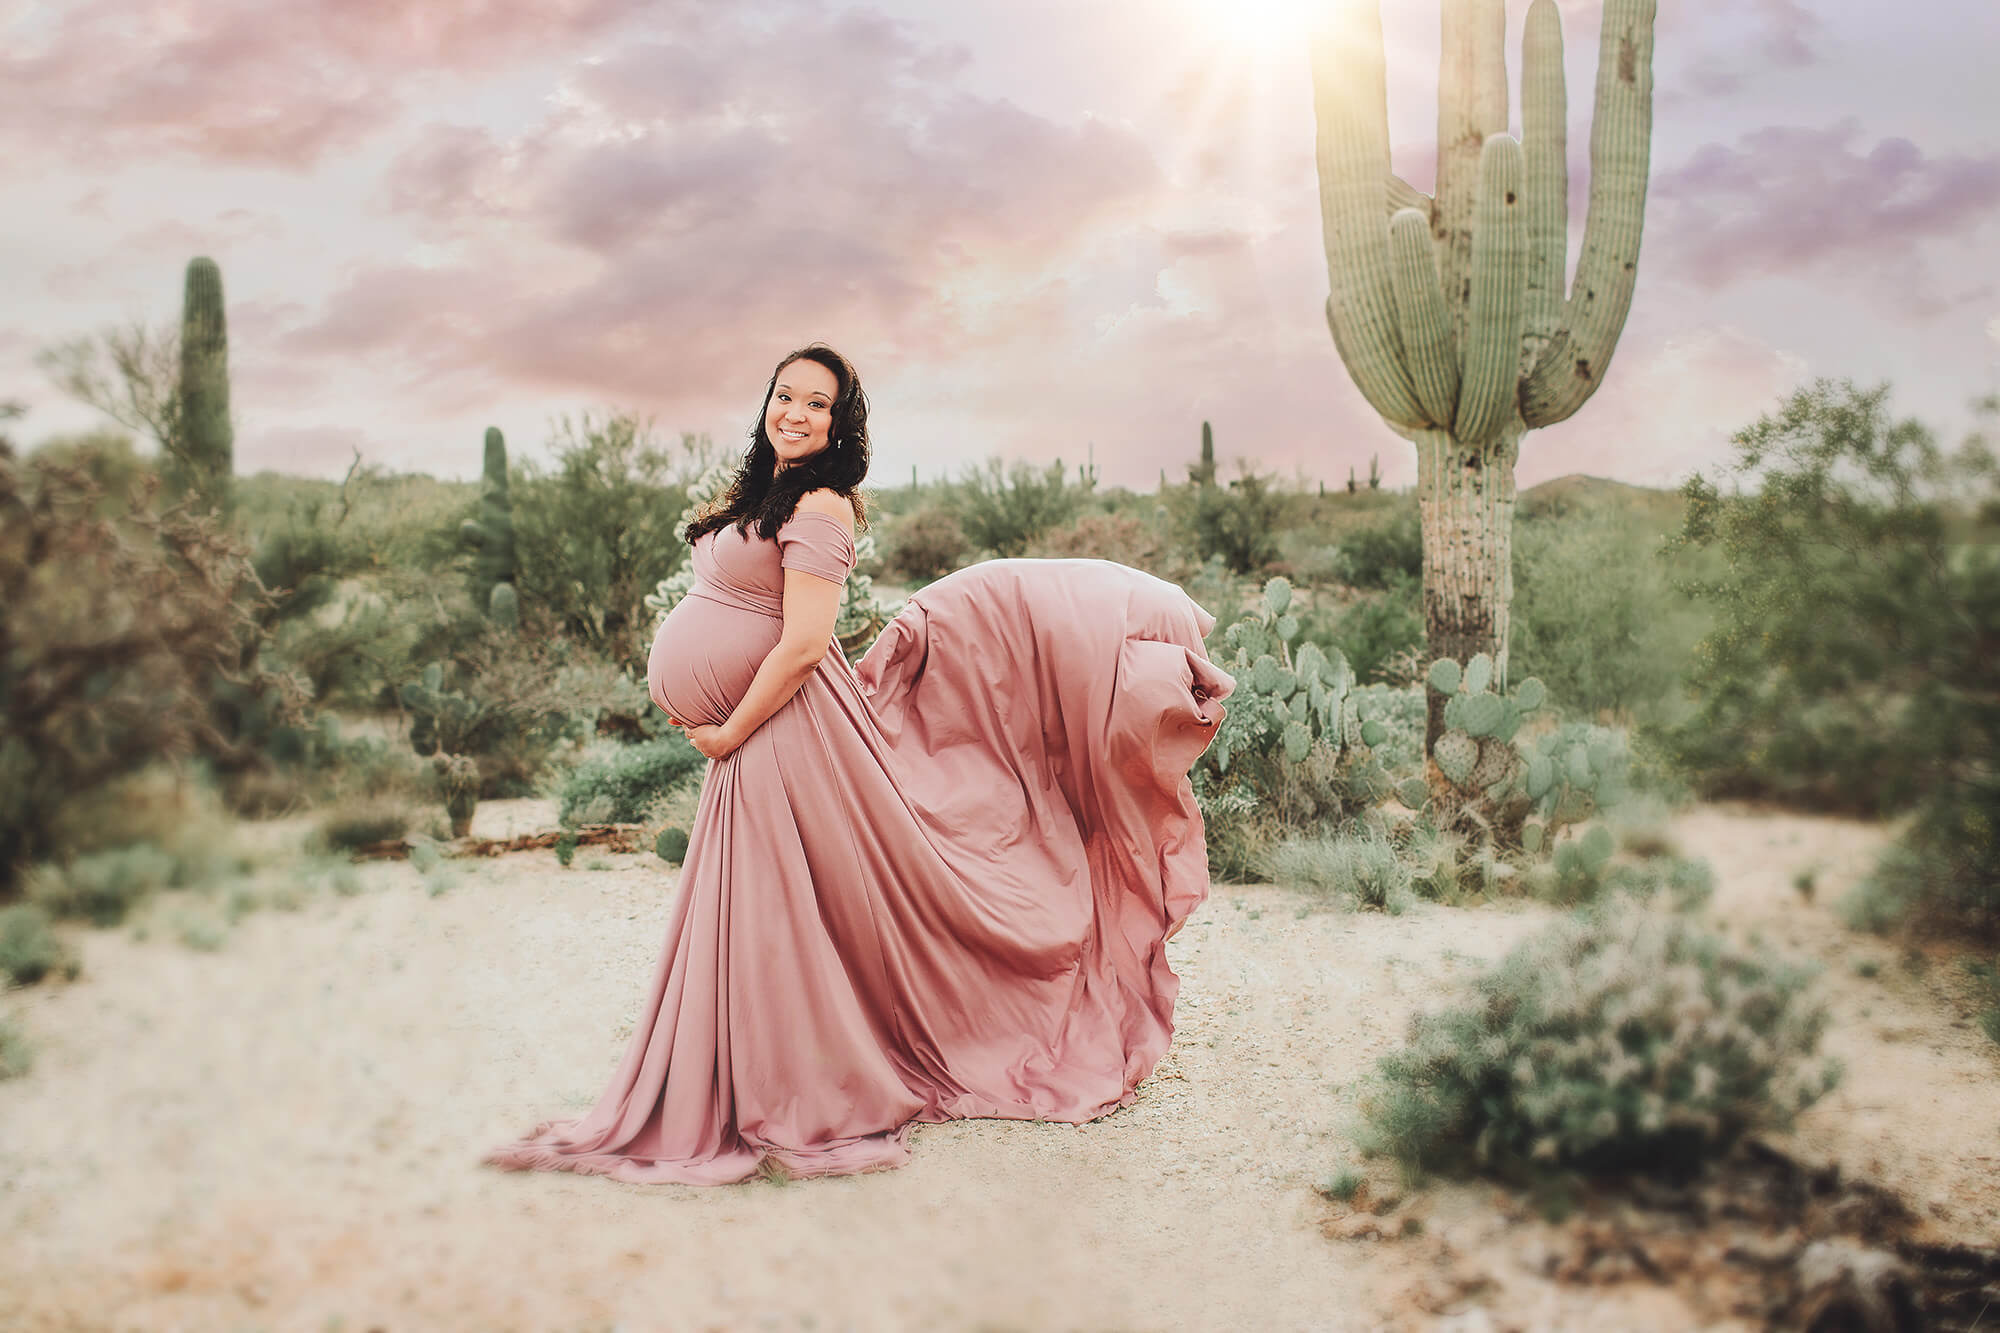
[[1545, 161], [1420, 307], [1351, 98], [1472, 108], [1573, 364], [1499, 288]]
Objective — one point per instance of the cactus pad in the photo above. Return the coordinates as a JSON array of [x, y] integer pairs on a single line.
[[1478, 673], [1373, 733], [1287, 628], [1531, 836], [1481, 714], [1443, 676], [1265, 673], [1413, 792], [1456, 753], [1530, 695], [1297, 741], [1278, 595]]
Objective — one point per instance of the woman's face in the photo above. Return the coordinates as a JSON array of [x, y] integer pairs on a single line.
[[801, 411]]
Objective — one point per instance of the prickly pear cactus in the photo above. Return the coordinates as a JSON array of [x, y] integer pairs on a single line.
[[1569, 775], [1476, 752], [1295, 719]]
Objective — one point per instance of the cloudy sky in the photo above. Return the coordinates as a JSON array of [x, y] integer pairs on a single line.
[[1037, 227]]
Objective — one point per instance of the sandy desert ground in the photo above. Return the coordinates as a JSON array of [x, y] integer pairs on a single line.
[[284, 1133]]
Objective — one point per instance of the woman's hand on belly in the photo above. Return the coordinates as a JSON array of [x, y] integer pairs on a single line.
[[715, 742]]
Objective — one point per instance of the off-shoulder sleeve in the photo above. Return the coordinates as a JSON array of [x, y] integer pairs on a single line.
[[817, 543]]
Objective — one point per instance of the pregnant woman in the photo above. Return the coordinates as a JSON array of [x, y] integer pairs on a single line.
[[937, 884]]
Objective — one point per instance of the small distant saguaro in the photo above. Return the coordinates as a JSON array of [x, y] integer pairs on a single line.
[[491, 538], [207, 456]]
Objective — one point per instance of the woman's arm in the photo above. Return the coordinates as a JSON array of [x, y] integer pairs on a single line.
[[812, 606]]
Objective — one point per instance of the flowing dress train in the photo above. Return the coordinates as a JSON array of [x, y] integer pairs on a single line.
[[934, 884]]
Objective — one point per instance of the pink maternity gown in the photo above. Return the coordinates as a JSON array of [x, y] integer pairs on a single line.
[[934, 885]]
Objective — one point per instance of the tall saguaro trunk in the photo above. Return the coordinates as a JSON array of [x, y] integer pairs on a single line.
[[1465, 500], [1450, 312]]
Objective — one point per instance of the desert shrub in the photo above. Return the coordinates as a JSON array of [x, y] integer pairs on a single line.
[[928, 544], [102, 887], [1382, 627], [359, 821], [1239, 522], [110, 667], [1122, 537], [1619, 1039], [1002, 507], [595, 533], [1852, 666], [1376, 555], [17, 1056], [1595, 615], [619, 785], [29, 946], [508, 702], [1360, 869]]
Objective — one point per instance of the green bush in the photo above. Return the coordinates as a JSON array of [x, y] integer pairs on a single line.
[[617, 786], [597, 532], [112, 667], [29, 947], [1851, 667], [102, 887], [1620, 1039], [928, 544], [1595, 615], [1378, 555], [1380, 628], [1002, 507]]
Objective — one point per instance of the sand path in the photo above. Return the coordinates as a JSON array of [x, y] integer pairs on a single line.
[[284, 1134]]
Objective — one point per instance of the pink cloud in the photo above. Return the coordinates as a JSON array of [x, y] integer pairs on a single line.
[[833, 182], [244, 81], [1788, 200]]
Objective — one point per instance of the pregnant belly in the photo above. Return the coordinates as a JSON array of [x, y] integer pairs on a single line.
[[704, 657]]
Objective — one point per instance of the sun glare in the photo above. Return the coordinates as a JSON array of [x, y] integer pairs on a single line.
[[1263, 27]]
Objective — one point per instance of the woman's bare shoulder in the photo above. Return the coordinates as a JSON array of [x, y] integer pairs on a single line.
[[829, 502]]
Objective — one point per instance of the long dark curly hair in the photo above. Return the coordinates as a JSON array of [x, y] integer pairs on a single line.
[[761, 494]]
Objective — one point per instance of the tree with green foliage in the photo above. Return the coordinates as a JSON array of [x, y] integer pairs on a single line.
[[1002, 507], [594, 534], [1855, 659], [107, 669]]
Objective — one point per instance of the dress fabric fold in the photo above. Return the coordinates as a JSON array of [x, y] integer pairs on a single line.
[[934, 884]]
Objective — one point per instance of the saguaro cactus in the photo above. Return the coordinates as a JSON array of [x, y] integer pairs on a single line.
[[491, 537], [207, 439], [1450, 311]]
